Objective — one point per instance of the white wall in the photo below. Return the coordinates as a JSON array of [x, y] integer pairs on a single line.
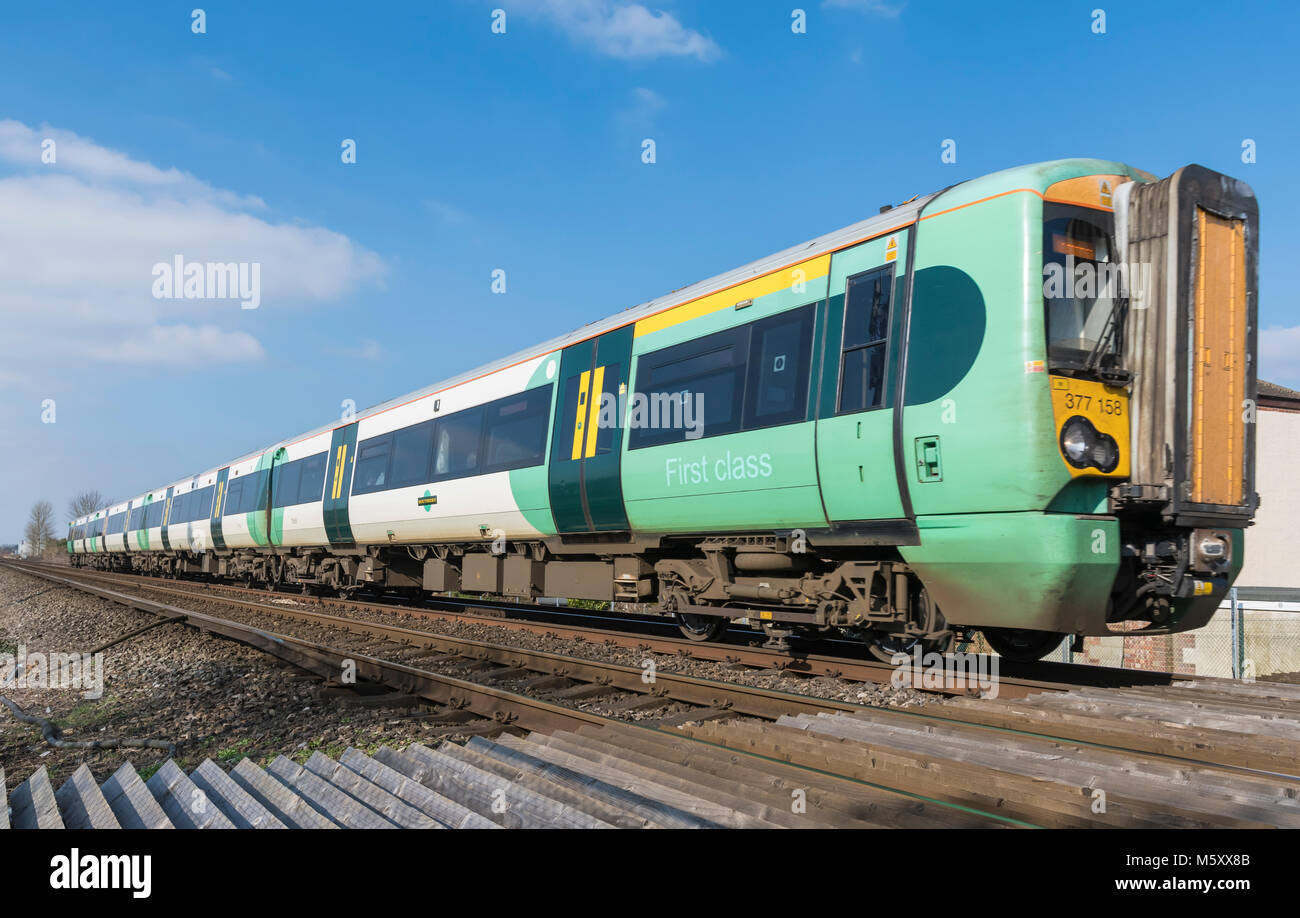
[[1273, 543]]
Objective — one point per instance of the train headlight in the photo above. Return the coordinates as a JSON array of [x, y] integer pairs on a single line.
[[1086, 447], [1077, 439]]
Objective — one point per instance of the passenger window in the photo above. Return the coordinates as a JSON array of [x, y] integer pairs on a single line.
[[679, 383], [372, 465], [780, 369], [866, 333], [234, 495], [516, 430], [412, 448], [284, 483], [456, 439], [313, 479]]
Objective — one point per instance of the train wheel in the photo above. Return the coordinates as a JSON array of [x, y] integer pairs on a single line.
[[1021, 645], [702, 627], [926, 618]]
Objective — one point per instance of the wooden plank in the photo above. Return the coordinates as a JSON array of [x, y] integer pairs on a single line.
[[629, 776], [1113, 772], [1206, 746], [606, 813], [504, 802], [325, 798], [833, 793], [369, 793], [34, 806], [516, 752], [279, 799], [939, 774], [757, 801], [82, 803], [237, 804], [131, 802], [380, 770], [185, 804]]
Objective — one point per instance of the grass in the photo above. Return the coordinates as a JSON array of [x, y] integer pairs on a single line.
[[232, 753], [89, 712]]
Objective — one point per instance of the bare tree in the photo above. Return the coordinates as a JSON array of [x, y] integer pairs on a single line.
[[86, 503], [40, 526]]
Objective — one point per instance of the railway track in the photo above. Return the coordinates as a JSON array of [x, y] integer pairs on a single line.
[[1202, 754], [1014, 680]]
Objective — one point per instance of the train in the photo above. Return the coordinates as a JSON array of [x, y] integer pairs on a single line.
[[1021, 406]]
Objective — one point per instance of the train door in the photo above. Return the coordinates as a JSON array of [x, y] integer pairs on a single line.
[[214, 524], [586, 490], [855, 416], [272, 531], [338, 485], [166, 516]]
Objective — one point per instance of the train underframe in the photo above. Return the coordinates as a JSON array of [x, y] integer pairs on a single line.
[[770, 583], [775, 584]]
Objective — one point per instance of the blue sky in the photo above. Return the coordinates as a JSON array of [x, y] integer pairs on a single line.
[[522, 151]]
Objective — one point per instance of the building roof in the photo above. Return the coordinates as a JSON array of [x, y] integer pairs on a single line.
[[1273, 395]]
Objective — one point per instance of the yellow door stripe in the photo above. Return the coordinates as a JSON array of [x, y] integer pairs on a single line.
[[216, 507], [593, 414], [783, 279], [338, 471], [581, 417]]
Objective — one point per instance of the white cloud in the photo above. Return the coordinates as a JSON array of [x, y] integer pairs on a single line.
[[645, 104], [80, 237], [875, 7], [449, 214], [23, 147], [178, 346], [648, 100], [364, 349], [624, 30], [1279, 355]]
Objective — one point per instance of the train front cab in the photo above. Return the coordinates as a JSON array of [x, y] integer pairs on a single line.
[[1137, 440]]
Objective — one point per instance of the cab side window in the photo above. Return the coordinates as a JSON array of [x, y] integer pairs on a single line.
[[866, 337]]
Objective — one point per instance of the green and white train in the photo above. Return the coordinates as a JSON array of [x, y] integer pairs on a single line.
[[941, 418]]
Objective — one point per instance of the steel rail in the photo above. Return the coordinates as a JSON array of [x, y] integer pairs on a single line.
[[787, 662], [763, 703]]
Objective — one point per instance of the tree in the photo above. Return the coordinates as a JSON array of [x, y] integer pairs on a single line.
[[86, 503], [40, 526]]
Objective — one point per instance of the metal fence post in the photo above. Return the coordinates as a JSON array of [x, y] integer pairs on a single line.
[[1237, 634]]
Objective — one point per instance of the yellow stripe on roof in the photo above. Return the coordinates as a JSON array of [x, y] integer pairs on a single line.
[[782, 279]]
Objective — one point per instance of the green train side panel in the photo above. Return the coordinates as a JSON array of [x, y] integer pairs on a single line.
[[530, 487], [142, 534], [755, 479], [977, 376], [1046, 571], [256, 520]]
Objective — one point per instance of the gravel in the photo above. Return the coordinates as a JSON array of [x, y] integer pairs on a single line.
[[211, 697], [817, 687]]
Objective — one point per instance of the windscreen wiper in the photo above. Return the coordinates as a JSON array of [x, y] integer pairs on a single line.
[[1114, 318]]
